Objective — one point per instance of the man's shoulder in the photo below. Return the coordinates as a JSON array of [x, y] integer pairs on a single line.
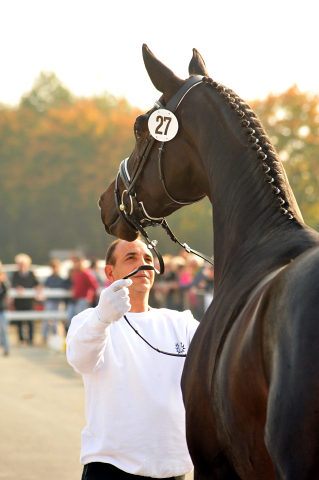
[[185, 315], [178, 321], [84, 314], [82, 317]]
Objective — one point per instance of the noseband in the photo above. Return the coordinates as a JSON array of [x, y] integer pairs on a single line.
[[134, 212]]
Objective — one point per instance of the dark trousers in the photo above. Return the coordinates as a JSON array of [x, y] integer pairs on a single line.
[[20, 324], [106, 471]]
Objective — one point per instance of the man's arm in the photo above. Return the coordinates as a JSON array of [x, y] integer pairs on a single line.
[[86, 341], [87, 335]]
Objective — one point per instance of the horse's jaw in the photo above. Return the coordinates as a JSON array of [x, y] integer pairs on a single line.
[[119, 229], [114, 225]]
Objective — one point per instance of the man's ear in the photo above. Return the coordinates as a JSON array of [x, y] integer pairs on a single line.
[[109, 273]]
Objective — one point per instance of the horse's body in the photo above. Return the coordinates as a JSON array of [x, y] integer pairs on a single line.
[[251, 377]]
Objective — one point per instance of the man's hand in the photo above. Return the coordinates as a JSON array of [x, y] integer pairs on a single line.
[[114, 302]]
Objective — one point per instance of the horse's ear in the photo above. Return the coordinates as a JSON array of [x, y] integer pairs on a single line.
[[197, 65], [163, 79]]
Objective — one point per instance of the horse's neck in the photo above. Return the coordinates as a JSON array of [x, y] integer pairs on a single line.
[[248, 219]]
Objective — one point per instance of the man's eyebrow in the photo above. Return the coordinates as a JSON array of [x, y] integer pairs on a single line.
[[130, 253], [146, 255]]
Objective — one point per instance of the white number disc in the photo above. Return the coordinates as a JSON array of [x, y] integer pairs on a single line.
[[163, 125]]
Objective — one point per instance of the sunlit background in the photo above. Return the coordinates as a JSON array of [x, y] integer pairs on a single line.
[[72, 81], [253, 47]]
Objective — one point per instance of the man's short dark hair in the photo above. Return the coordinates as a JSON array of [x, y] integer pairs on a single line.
[[110, 257]]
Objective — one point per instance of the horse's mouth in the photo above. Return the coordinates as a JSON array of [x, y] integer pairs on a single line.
[[111, 230], [112, 221], [108, 220], [118, 229], [111, 226], [107, 230]]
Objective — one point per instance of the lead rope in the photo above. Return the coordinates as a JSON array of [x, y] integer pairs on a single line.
[[187, 248], [154, 348], [148, 267]]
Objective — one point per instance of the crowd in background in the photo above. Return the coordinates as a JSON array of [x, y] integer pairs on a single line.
[[186, 284]]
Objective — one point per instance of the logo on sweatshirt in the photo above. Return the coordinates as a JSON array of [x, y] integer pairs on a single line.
[[179, 347]]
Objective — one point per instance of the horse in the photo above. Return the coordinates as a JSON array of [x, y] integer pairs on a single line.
[[251, 377]]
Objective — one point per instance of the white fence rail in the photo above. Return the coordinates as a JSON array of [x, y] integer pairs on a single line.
[[36, 314], [48, 293], [40, 295]]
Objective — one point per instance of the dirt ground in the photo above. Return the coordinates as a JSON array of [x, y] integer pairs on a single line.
[[41, 414]]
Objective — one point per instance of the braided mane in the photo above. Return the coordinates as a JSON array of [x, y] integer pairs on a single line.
[[260, 143]]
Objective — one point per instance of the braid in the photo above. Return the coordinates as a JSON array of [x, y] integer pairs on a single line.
[[257, 138]]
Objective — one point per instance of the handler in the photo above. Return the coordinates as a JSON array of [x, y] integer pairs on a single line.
[[134, 408]]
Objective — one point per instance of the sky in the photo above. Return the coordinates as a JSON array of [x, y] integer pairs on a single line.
[[252, 47]]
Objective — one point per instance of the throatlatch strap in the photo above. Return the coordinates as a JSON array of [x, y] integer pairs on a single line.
[[188, 249]]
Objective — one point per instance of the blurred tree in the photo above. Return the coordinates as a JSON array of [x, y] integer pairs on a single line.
[[292, 123], [58, 153], [46, 92]]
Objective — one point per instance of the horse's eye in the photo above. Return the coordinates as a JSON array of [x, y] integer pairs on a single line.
[[138, 134]]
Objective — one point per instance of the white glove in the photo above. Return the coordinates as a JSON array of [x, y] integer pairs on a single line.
[[114, 301]]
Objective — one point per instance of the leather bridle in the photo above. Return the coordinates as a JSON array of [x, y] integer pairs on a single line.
[[130, 209]]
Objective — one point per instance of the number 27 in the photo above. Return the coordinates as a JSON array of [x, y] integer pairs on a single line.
[[161, 121]]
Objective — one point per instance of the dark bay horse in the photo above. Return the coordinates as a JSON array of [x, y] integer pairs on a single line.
[[251, 377]]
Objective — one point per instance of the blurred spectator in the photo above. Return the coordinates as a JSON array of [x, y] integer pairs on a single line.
[[4, 336], [21, 279], [156, 298], [171, 289], [205, 278], [202, 279], [183, 253], [52, 304], [84, 286], [185, 280], [207, 284], [186, 283], [69, 302], [95, 271]]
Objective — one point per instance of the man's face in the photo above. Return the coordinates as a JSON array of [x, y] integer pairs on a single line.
[[22, 266], [128, 256]]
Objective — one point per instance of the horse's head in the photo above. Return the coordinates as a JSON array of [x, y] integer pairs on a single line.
[[152, 184]]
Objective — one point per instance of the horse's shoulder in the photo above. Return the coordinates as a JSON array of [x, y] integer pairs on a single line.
[[299, 278]]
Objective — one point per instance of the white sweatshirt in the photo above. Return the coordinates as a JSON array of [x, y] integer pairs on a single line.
[[134, 409]]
